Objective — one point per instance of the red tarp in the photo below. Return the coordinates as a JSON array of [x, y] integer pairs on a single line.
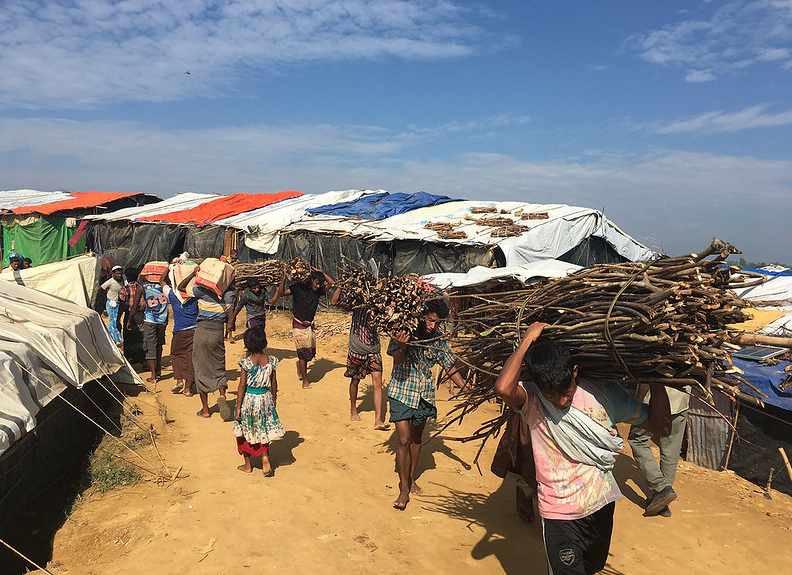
[[220, 208], [78, 201]]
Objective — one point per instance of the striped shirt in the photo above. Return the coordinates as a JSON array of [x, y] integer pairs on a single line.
[[211, 307]]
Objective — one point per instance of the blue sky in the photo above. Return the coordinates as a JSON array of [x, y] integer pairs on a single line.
[[674, 117]]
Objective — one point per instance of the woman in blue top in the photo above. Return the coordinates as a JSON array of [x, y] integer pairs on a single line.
[[185, 319]]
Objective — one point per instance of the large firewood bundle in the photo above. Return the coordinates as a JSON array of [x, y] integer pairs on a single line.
[[658, 321], [357, 282], [397, 303], [267, 273], [299, 270]]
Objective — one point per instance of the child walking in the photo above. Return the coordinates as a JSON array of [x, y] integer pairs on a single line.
[[257, 423]]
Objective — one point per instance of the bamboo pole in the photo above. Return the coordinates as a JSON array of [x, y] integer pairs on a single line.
[[786, 462]]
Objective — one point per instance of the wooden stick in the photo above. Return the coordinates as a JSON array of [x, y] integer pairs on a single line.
[[786, 461], [26, 559], [756, 339]]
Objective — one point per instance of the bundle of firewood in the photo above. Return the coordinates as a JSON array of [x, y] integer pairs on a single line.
[[509, 231], [298, 270], [267, 273], [658, 321], [397, 303], [357, 283]]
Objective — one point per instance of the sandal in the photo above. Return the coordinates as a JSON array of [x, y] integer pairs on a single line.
[[177, 388]]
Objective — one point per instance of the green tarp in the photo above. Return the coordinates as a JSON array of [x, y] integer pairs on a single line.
[[42, 240]]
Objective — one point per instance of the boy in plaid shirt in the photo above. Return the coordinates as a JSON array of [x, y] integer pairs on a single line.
[[411, 391]]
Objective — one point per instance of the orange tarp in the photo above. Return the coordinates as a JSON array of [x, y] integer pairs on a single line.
[[80, 200], [220, 208]]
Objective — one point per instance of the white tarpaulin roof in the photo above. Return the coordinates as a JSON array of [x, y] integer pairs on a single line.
[[56, 340], [11, 199], [179, 202], [775, 293], [564, 229], [481, 275], [264, 225], [75, 279]]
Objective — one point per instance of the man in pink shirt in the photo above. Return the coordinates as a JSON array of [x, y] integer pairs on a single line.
[[575, 443]]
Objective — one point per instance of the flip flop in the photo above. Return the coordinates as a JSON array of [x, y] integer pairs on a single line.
[[177, 388], [225, 409], [383, 427], [202, 416]]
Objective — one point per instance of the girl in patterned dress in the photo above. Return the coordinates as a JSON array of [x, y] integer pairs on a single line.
[[257, 423]]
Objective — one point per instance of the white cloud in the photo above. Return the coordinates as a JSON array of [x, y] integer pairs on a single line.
[[71, 53], [729, 37], [682, 199], [717, 121], [700, 76]]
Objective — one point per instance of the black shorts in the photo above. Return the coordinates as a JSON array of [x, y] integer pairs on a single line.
[[578, 546]]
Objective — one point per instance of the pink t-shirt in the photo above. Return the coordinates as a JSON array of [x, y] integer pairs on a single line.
[[568, 489]]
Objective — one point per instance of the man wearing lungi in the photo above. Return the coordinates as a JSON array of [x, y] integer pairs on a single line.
[[305, 301], [364, 357], [209, 344]]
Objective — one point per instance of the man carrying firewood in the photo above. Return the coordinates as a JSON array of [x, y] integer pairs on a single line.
[[575, 444], [363, 357], [411, 391], [305, 302]]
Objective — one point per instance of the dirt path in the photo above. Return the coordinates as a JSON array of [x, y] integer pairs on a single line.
[[328, 507]]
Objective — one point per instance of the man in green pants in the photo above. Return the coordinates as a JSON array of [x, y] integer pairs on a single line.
[[661, 477]]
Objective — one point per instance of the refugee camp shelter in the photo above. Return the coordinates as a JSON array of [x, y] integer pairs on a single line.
[[403, 233], [44, 226], [54, 356]]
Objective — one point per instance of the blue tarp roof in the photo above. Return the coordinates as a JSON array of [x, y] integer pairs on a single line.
[[767, 379], [382, 205], [769, 273]]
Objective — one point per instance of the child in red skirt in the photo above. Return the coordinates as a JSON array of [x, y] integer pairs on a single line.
[[257, 423]]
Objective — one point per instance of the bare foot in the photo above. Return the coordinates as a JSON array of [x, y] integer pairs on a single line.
[[306, 385], [401, 502], [414, 489], [245, 469], [266, 467], [353, 416], [380, 426]]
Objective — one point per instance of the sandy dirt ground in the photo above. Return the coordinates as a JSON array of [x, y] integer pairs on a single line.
[[327, 509]]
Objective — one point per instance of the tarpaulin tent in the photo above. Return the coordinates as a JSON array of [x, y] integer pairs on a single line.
[[52, 352], [41, 238], [75, 279], [58, 342], [48, 231], [408, 242]]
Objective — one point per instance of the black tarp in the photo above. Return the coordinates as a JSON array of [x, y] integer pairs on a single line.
[[133, 244]]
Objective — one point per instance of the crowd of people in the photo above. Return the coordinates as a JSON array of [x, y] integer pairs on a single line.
[[571, 420]]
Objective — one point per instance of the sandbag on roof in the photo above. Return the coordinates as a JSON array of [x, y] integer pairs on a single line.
[[382, 205], [220, 208]]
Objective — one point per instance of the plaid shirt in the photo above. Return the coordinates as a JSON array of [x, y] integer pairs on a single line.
[[127, 294], [412, 379]]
